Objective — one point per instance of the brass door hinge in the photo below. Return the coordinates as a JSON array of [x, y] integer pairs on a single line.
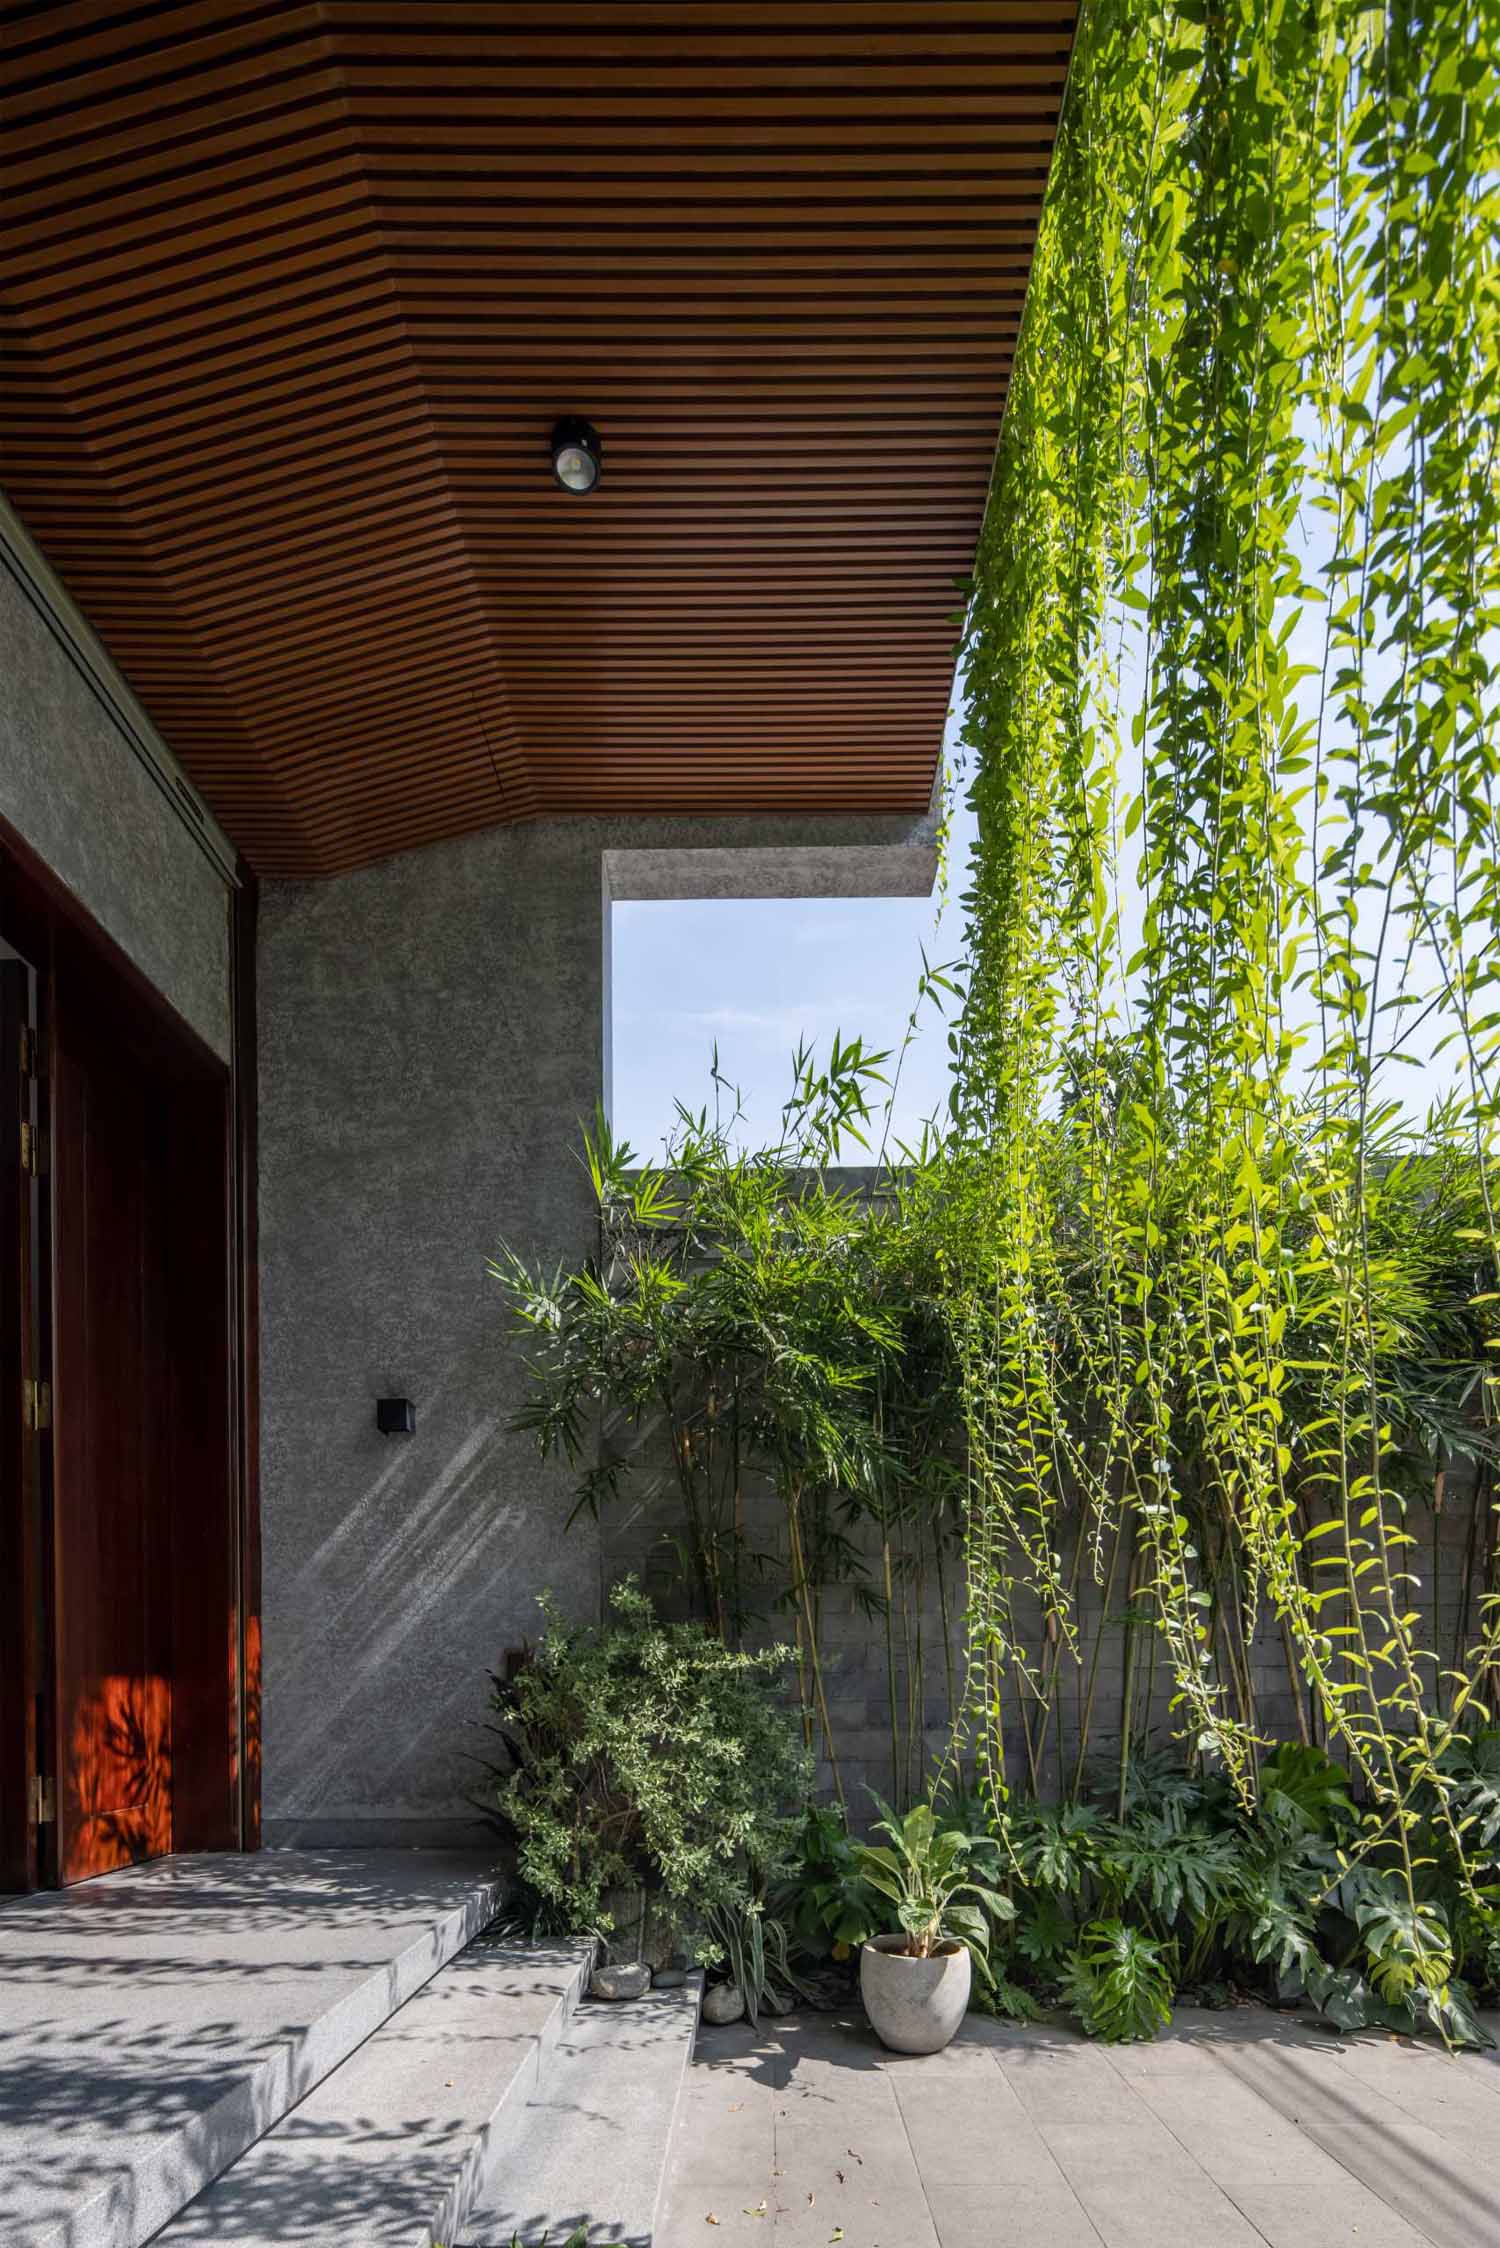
[[37, 1405], [33, 1150], [43, 1801], [33, 1052]]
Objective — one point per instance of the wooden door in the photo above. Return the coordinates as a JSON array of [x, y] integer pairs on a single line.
[[127, 1580], [112, 1536], [25, 1402]]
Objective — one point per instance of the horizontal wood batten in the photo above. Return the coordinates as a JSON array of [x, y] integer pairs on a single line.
[[294, 293]]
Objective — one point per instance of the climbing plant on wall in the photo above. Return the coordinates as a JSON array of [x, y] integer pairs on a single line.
[[1229, 1051]]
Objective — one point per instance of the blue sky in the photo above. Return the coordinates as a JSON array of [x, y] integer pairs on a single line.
[[758, 974]]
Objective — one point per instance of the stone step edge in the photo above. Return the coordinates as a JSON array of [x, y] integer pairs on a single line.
[[696, 1983], [489, 2143], [689, 1996], [131, 2208]]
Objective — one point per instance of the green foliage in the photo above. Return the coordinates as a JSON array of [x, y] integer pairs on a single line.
[[828, 1906], [757, 1953], [1118, 1982], [647, 1755], [1188, 1326], [1270, 1899], [933, 1875], [1222, 1311], [776, 1324]]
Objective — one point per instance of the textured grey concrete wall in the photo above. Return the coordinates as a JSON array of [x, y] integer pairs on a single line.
[[432, 1032], [73, 787]]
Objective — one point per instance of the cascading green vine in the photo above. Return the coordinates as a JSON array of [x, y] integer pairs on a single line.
[[1233, 740]]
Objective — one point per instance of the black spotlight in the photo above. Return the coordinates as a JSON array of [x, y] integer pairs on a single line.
[[575, 453]]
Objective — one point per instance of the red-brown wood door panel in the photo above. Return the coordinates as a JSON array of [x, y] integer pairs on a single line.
[[113, 1532], [23, 1415]]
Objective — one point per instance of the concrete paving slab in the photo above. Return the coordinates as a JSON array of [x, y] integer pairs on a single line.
[[1234, 2135], [1244, 2129], [154, 2023], [1024, 2216], [391, 2149], [1145, 2210], [1344, 2216], [970, 2132], [1445, 2188]]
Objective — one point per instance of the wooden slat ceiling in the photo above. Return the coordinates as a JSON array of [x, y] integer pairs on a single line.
[[293, 294]]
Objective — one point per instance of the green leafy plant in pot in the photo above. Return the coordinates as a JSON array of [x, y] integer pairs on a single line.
[[916, 1982]]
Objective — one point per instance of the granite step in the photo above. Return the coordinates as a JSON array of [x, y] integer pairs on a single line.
[[590, 2148], [155, 2023], [389, 2151]]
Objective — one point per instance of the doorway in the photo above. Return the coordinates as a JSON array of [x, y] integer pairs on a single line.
[[121, 1681]]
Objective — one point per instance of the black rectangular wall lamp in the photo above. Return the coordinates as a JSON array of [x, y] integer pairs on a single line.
[[395, 1416]]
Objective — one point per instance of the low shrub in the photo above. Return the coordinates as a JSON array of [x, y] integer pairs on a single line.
[[645, 1755]]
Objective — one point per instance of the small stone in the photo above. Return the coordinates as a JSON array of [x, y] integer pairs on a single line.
[[630, 1979], [723, 2002], [669, 1978]]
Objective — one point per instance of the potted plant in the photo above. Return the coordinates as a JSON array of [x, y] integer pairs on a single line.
[[915, 1983]]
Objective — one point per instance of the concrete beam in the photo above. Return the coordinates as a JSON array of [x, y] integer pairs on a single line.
[[829, 858]]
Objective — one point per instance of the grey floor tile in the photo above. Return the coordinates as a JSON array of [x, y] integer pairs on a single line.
[[864, 2217], [1436, 2181], [1141, 2147], [1165, 2211], [1345, 2216], [1023, 2216], [717, 2213], [1451, 2200], [1077, 2085], [1445, 2091], [974, 2133], [1244, 2130], [1232, 2133], [709, 2145]]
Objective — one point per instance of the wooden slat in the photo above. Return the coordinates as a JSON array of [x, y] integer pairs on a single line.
[[293, 294]]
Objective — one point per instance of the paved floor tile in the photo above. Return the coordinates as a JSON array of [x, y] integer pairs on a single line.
[[1434, 2088], [893, 2217], [1023, 2216], [1071, 2086], [1237, 2130], [1139, 2147], [1150, 2210], [1233, 2134], [722, 2213], [1342, 2216], [968, 2133], [1446, 2188]]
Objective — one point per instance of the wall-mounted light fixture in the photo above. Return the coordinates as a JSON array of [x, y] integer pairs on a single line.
[[576, 453], [395, 1416]]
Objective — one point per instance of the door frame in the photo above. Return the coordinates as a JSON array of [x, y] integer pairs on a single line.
[[46, 924]]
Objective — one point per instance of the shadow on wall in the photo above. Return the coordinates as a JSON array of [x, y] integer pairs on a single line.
[[381, 1635]]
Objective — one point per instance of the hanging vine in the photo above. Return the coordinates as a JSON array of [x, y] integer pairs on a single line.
[[1233, 740]]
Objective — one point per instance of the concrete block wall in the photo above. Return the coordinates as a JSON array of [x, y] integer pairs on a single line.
[[639, 1538]]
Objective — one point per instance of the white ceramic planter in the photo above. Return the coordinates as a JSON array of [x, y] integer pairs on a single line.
[[914, 2005]]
